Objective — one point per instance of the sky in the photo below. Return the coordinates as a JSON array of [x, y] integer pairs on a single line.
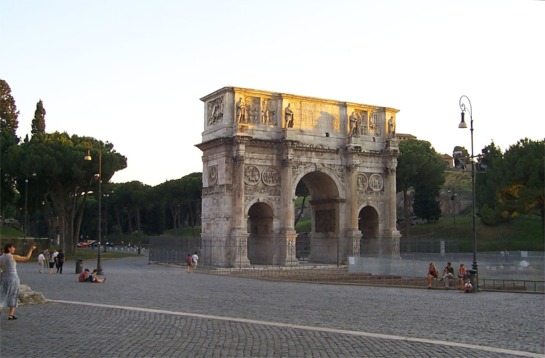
[[132, 72]]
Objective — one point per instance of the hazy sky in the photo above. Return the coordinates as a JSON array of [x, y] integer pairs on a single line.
[[131, 72]]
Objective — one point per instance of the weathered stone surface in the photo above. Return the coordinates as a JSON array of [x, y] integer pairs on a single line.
[[29, 297], [258, 145]]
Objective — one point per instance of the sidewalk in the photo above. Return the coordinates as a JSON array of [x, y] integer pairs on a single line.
[[161, 311]]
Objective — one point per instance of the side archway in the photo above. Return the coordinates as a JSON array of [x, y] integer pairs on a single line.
[[260, 239], [368, 224]]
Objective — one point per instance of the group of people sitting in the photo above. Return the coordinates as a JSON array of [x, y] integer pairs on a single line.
[[86, 276], [448, 273]]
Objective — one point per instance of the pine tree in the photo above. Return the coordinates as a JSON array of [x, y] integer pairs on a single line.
[[8, 139], [38, 122]]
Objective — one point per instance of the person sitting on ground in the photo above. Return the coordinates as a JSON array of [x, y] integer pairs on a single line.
[[84, 276], [468, 287], [432, 273], [462, 275], [448, 273], [93, 277]]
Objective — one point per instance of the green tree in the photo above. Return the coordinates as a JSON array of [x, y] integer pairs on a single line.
[[129, 201], [420, 168], [63, 177], [523, 189], [38, 122], [8, 138], [488, 183], [192, 184], [181, 198]]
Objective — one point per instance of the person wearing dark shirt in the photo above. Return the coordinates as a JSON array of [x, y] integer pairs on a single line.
[[60, 261]]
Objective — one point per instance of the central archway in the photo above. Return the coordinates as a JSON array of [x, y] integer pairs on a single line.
[[325, 214]]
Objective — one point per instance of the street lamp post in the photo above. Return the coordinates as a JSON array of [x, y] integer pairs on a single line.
[[26, 207], [88, 157], [463, 124], [106, 223], [25, 225]]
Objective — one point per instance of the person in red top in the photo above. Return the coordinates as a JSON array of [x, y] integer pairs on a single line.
[[84, 276], [189, 262]]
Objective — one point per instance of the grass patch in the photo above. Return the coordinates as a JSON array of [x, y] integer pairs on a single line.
[[86, 254], [523, 233], [8, 232]]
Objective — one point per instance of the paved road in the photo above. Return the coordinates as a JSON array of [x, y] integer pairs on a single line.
[[161, 311]]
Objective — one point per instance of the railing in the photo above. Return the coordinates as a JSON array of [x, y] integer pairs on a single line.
[[339, 275], [511, 285]]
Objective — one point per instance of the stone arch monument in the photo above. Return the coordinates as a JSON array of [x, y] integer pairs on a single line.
[[258, 145]]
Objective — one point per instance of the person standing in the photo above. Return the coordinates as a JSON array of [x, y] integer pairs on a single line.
[[195, 260], [41, 261], [189, 262], [9, 279], [52, 257], [60, 261]]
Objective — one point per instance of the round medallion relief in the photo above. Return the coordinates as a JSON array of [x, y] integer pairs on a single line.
[[270, 176], [363, 182], [376, 182], [251, 175]]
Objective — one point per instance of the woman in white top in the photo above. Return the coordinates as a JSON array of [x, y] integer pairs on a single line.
[[9, 280], [41, 261]]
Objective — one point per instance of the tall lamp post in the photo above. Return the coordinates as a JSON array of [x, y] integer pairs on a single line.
[[88, 157], [463, 124], [26, 207], [25, 229]]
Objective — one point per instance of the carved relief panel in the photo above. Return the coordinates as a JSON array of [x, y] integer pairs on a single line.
[[376, 182], [256, 110], [322, 117], [375, 126], [264, 181], [268, 112], [358, 123], [251, 175], [370, 182], [214, 110], [253, 110], [212, 175]]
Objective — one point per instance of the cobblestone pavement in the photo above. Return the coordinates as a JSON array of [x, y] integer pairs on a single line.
[[161, 311]]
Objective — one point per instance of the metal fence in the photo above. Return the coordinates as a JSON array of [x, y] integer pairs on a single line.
[[172, 249], [516, 271]]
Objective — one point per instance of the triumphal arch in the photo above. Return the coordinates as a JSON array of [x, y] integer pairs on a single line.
[[258, 145]]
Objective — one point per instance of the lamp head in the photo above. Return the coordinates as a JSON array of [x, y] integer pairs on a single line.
[[88, 156], [463, 123]]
